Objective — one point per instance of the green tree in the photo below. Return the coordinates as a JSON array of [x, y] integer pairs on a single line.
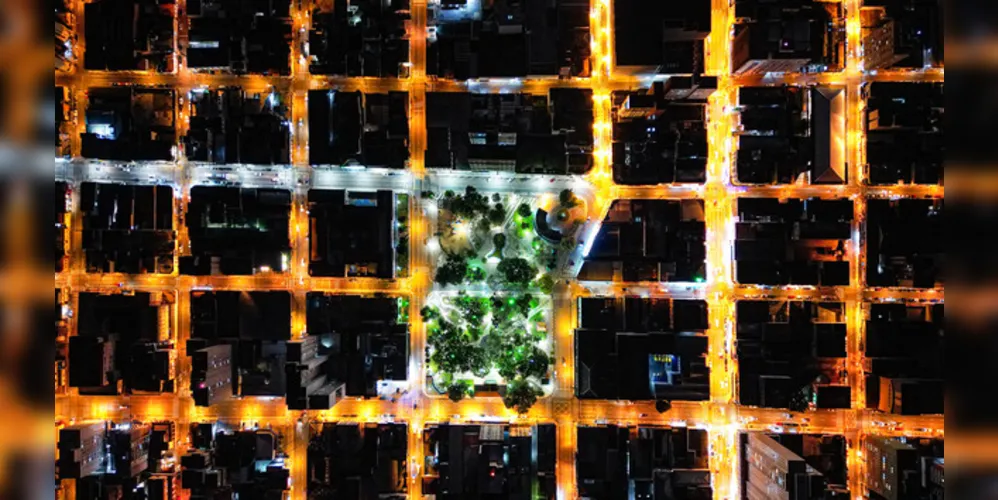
[[523, 210], [492, 345], [453, 271], [513, 355], [429, 313], [517, 271], [536, 364], [546, 284], [473, 309], [521, 395], [497, 214], [473, 203], [524, 303], [458, 390], [475, 274], [496, 197]]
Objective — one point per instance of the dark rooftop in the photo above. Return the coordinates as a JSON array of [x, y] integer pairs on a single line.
[[257, 326], [777, 36], [495, 461], [641, 349], [661, 37], [351, 128], [904, 243], [130, 123], [240, 36], [660, 134], [119, 347], [905, 142], [364, 339], [822, 475], [792, 355], [60, 211], [229, 125], [510, 38], [123, 35], [65, 37], [905, 358], [793, 242], [643, 462], [218, 316], [62, 103], [364, 38], [127, 229], [358, 461], [234, 463], [352, 233], [237, 231], [790, 134], [918, 27], [513, 132], [649, 240]]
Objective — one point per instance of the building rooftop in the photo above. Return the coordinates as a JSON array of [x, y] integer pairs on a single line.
[[107, 458], [257, 326], [904, 468], [660, 37], [127, 229], [360, 38], [125, 35], [496, 461], [649, 240], [905, 142], [60, 222], [904, 245], [905, 362], [792, 134], [365, 341], [65, 38], [508, 39], [643, 462], [352, 233], [794, 466], [240, 36], [660, 134], [121, 345], [918, 31], [641, 349], [62, 103], [358, 461], [246, 463], [130, 123], [513, 132], [237, 231], [229, 125], [788, 36], [792, 355], [354, 128], [793, 242]]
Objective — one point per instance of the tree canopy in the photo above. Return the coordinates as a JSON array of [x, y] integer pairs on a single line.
[[521, 395], [453, 271], [517, 271]]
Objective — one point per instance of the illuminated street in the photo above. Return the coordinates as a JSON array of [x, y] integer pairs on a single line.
[[721, 416]]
